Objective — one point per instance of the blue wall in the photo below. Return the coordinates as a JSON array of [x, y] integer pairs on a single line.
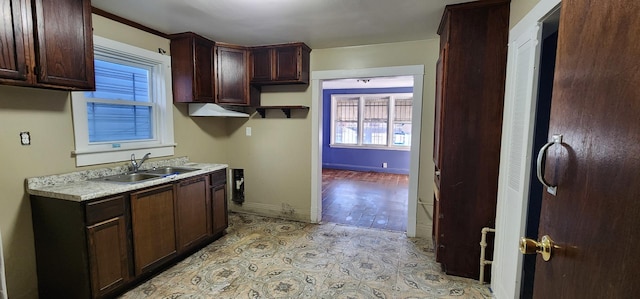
[[360, 159]]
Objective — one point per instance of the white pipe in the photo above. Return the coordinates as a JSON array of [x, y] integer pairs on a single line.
[[483, 246], [3, 282]]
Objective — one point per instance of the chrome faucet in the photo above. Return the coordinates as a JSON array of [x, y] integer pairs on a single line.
[[135, 165]]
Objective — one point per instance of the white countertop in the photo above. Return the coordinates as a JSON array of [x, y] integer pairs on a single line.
[[80, 186]]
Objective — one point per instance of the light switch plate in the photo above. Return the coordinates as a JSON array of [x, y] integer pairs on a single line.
[[248, 131]]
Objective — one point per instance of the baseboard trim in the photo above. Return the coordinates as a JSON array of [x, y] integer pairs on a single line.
[[283, 211]]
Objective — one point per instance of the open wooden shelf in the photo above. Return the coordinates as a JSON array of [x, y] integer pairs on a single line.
[[286, 109]]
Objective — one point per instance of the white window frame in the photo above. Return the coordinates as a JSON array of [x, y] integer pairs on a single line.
[[390, 123], [87, 153]]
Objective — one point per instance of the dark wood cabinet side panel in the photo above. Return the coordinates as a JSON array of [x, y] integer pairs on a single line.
[[64, 43], [441, 75], [468, 138], [60, 246], [13, 64], [182, 69]]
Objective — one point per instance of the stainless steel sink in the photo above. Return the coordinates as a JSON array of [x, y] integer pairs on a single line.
[[145, 175], [168, 170], [129, 178]]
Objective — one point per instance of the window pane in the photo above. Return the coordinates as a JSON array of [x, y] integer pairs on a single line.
[[109, 122], [375, 121], [120, 82], [346, 121], [402, 122], [346, 132]]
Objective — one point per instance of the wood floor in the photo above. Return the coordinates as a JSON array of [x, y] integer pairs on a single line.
[[365, 199]]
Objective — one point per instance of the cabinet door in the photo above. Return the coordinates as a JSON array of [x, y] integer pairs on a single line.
[[232, 79], [261, 65], [192, 68], [12, 45], [108, 258], [287, 63], [153, 225], [203, 88], [64, 49], [219, 208], [192, 211], [219, 201]]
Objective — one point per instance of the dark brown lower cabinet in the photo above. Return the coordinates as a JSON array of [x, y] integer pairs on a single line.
[[153, 225], [108, 258], [192, 211], [100, 248]]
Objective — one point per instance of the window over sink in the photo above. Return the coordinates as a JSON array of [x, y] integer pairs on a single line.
[[130, 111]]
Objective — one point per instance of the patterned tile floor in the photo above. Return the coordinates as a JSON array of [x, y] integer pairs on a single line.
[[263, 257]]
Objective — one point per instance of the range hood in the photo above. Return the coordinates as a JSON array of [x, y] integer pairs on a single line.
[[209, 109]]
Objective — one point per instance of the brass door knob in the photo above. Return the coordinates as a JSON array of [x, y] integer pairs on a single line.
[[529, 246]]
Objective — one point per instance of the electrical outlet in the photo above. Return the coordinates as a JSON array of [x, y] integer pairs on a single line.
[[25, 138], [384, 165]]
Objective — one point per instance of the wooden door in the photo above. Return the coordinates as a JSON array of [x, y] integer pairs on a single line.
[[219, 208], [64, 49], [219, 212], [203, 85], [153, 226], [108, 255], [286, 63], [13, 64], [231, 72], [594, 219], [192, 211], [261, 64]]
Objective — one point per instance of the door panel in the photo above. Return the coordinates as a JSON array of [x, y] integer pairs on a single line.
[[12, 46], [153, 227], [64, 49], [192, 223], [596, 107]]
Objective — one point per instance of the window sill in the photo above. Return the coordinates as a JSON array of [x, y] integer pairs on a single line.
[[369, 147]]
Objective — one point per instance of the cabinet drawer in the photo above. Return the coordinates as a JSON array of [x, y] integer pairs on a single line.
[[219, 177], [104, 209]]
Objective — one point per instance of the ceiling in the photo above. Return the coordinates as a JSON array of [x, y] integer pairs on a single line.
[[318, 23]]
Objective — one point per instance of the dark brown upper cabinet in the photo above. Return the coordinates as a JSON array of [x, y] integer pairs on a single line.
[[208, 72], [280, 64], [47, 44], [232, 76], [192, 68]]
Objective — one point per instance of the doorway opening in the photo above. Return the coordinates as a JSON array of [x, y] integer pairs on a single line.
[[546, 69], [317, 79], [366, 148]]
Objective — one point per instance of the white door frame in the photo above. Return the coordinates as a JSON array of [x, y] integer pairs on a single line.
[[511, 214], [417, 71]]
